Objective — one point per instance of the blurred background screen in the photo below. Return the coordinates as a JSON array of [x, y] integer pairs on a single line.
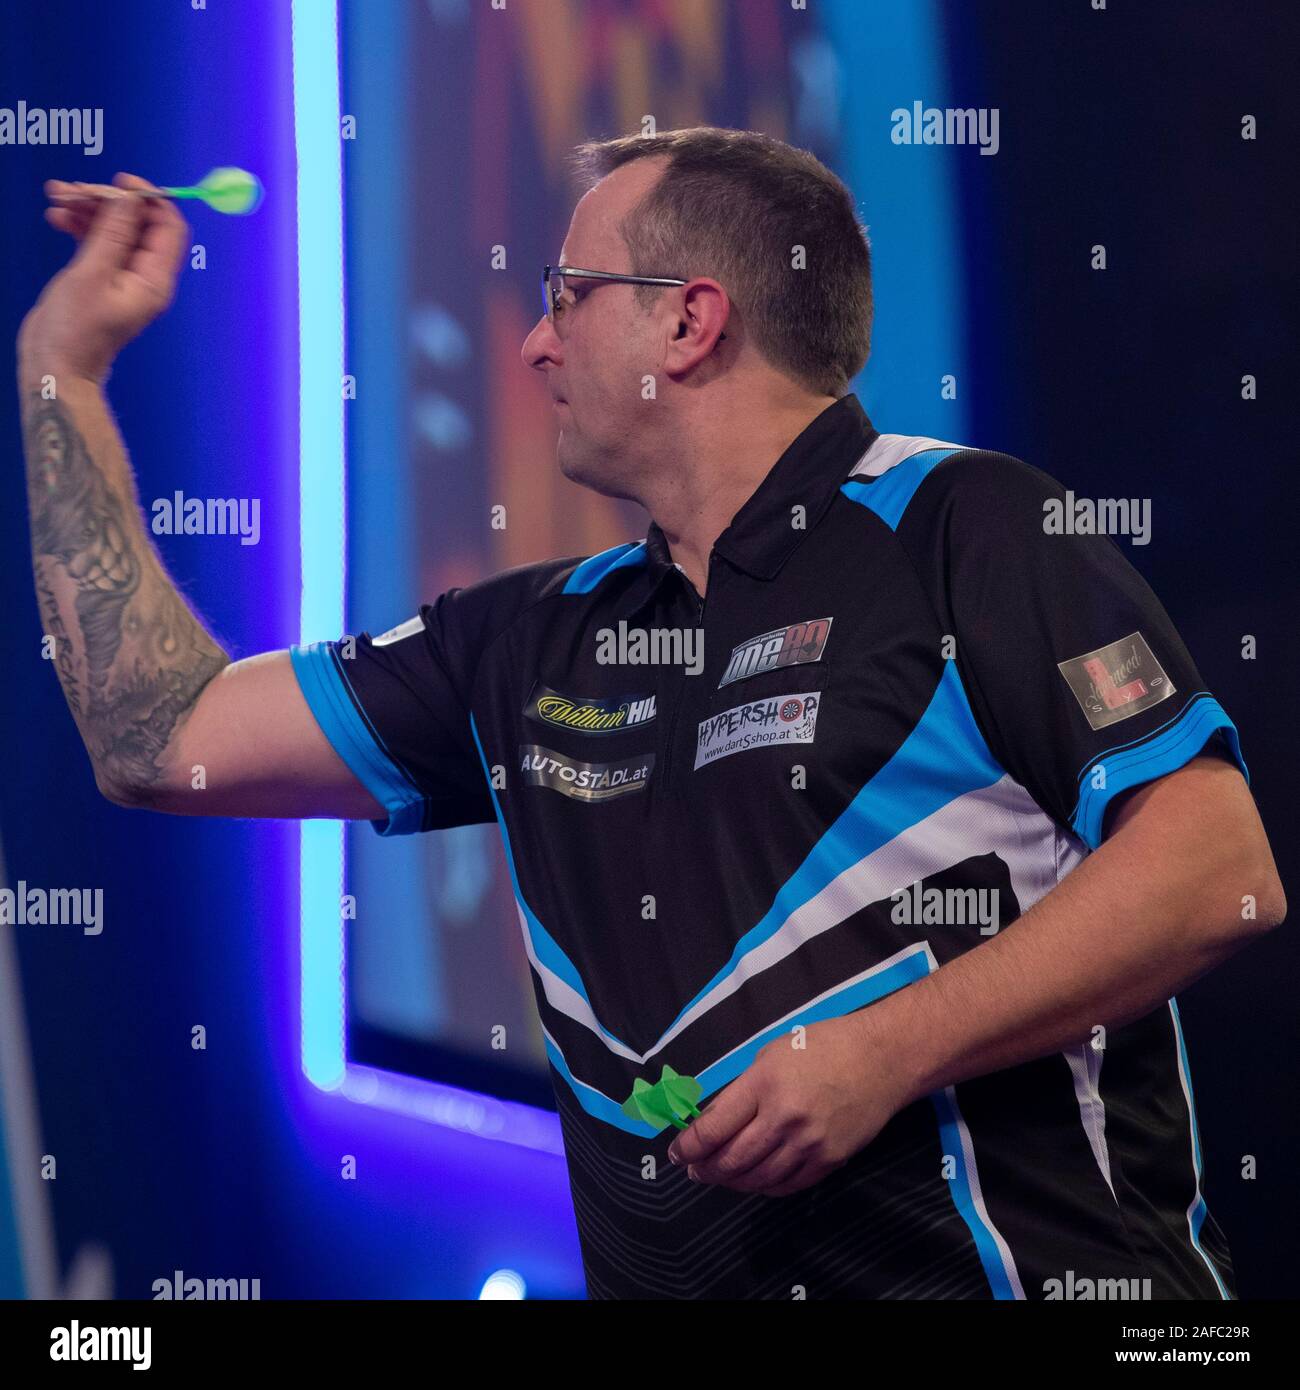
[[458, 192]]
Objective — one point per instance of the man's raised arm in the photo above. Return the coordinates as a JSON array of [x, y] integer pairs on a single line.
[[154, 696]]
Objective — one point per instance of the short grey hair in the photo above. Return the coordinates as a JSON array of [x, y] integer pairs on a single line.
[[734, 205]]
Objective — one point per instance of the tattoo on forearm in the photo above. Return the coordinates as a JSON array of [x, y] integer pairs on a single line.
[[145, 657], [53, 626]]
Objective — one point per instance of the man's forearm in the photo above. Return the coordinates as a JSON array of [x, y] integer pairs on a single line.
[[1138, 920], [130, 655]]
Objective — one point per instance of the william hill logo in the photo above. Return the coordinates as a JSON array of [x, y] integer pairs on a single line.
[[584, 716]]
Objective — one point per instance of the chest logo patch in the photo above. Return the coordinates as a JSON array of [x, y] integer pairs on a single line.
[[796, 645], [548, 706], [1117, 681], [584, 781], [759, 724]]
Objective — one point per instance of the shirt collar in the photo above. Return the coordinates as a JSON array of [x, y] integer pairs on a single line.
[[761, 536], [658, 563]]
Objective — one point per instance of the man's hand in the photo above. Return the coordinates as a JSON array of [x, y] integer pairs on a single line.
[[121, 278], [803, 1108]]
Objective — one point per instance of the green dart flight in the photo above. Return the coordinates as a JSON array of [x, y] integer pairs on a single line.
[[228, 190], [668, 1101]]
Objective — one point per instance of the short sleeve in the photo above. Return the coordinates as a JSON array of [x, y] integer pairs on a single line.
[[396, 709], [1074, 671]]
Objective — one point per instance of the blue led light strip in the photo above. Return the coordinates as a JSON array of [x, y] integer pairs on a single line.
[[321, 518]]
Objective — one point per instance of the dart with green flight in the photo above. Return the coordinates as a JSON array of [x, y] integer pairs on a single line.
[[228, 190]]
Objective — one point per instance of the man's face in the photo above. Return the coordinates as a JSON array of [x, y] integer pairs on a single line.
[[601, 345]]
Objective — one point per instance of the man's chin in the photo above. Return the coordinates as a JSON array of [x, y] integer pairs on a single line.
[[586, 468], [576, 466]]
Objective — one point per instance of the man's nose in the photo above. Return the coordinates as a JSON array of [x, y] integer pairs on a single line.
[[541, 345]]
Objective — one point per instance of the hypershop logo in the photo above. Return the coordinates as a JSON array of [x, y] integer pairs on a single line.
[[589, 716], [799, 644], [759, 724], [37, 125], [584, 781], [1117, 681]]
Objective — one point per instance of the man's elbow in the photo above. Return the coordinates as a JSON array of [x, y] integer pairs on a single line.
[[119, 791], [1270, 902], [1260, 901], [1201, 823]]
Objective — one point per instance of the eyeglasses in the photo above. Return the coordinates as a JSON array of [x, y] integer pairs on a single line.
[[554, 276], [555, 306]]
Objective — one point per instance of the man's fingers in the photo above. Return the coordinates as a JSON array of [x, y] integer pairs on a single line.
[[726, 1114], [70, 211], [69, 220], [755, 1153], [163, 243], [63, 191], [132, 181], [113, 234], [162, 237], [776, 1164]]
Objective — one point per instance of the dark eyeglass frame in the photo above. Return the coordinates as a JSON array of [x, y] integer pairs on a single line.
[[551, 296]]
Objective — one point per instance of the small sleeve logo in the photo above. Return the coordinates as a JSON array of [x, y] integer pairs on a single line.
[[1117, 681], [396, 634]]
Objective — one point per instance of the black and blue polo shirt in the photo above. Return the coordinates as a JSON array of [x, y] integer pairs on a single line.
[[894, 722]]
